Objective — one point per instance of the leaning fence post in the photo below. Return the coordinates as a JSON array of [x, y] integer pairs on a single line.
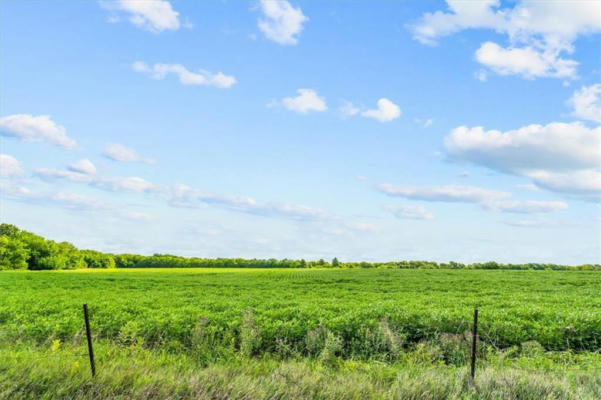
[[474, 340], [89, 336]]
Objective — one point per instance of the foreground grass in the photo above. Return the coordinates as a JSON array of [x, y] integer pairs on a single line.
[[62, 372]]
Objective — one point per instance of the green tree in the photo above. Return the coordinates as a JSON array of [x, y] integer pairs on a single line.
[[9, 230], [13, 253]]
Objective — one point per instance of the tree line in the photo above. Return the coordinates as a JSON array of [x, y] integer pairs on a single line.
[[20, 249]]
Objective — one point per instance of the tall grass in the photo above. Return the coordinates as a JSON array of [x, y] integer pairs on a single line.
[[132, 372]]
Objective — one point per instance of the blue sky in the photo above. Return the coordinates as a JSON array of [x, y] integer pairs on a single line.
[[458, 130]]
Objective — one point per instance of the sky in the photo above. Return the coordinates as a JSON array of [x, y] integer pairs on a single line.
[[364, 130]]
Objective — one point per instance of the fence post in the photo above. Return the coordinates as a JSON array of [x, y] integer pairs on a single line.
[[89, 336], [474, 340]]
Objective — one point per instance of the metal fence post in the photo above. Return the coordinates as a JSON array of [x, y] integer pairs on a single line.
[[89, 336], [474, 340]]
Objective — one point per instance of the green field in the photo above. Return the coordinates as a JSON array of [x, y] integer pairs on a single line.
[[373, 326]]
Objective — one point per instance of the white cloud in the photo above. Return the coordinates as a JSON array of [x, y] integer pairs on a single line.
[[348, 109], [69, 201], [463, 15], [492, 200], [481, 75], [50, 174], [72, 201], [526, 62], [61, 199], [426, 123], [137, 216], [363, 227], [586, 103], [84, 166], [179, 195], [528, 223], [586, 182], [13, 191], [118, 152], [281, 22], [127, 184], [526, 207], [113, 184], [562, 157], [186, 77], [410, 212], [445, 193], [9, 166], [30, 128], [306, 101], [538, 32], [556, 146], [386, 111], [186, 196], [152, 15]]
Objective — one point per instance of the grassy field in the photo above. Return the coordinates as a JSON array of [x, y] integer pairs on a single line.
[[371, 333]]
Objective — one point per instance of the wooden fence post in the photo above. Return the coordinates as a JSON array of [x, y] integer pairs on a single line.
[[89, 336], [474, 340]]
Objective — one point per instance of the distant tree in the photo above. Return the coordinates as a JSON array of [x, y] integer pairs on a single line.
[[335, 262], [96, 259], [9, 230], [13, 253]]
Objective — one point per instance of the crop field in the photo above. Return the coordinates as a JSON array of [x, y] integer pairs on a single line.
[[376, 323]]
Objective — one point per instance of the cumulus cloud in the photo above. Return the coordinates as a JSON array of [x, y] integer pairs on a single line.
[[586, 103], [556, 146], [444, 193], [9, 166], [586, 183], [84, 166], [186, 77], [306, 101], [118, 152], [152, 15], [30, 128], [410, 212], [538, 32], [281, 22], [386, 111], [527, 62], [562, 157]]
